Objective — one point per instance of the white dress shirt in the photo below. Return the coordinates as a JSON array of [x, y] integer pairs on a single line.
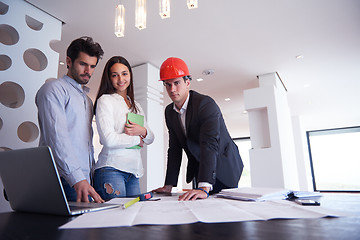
[[182, 114]]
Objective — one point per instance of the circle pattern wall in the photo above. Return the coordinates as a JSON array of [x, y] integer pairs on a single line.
[[26, 62]]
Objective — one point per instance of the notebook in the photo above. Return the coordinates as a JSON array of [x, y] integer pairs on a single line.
[[138, 119], [32, 184]]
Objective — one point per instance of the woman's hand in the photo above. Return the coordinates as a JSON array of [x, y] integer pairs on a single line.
[[133, 129]]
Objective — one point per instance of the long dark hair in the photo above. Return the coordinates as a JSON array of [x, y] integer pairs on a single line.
[[106, 86]]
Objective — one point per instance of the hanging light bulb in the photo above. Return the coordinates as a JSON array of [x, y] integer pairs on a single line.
[[120, 21], [164, 8], [192, 4], [140, 14]]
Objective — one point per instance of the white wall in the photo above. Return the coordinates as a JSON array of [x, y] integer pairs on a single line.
[[27, 61], [302, 155]]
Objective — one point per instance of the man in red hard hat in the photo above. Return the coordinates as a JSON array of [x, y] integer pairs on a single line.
[[195, 124]]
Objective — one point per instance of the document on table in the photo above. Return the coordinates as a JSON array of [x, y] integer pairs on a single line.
[[170, 211], [264, 194]]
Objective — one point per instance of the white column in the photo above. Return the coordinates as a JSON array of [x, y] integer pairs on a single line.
[[149, 93], [272, 157]]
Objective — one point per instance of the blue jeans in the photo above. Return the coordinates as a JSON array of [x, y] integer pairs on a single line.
[[112, 183]]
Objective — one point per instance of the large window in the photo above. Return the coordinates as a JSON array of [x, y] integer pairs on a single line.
[[335, 159], [244, 145]]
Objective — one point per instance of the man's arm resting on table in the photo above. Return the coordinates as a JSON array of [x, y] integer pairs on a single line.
[[164, 189], [200, 193]]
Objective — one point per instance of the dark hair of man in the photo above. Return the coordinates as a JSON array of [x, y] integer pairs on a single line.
[[86, 45], [185, 78], [188, 77], [106, 86]]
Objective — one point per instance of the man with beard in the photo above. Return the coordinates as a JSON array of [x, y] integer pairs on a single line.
[[65, 116]]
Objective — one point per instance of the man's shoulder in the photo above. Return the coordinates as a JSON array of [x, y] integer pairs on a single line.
[[59, 83], [55, 87], [169, 107], [197, 97]]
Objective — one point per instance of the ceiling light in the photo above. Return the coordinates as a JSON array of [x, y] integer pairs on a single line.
[[199, 79], [192, 4], [120, 21], [208, 72], [227, 99], [164, 6], [140, 14], [61, 63], [299, 57]]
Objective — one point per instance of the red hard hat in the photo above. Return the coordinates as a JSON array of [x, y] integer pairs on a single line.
[[173, 68]]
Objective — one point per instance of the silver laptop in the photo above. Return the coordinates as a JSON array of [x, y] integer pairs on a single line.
[[32, 184]]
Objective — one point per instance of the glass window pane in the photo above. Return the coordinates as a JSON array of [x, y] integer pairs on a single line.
[[244, 145], [335, 159]]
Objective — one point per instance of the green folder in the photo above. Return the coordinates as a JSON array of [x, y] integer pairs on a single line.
[[138, 119]]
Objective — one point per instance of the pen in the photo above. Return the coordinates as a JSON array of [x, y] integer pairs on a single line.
[[131, 202], [142, 197]]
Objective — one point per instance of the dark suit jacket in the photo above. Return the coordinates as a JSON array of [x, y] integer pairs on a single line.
[[211, 152]]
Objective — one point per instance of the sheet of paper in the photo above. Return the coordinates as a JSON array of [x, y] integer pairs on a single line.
[[276, 209], [214, 210], [120, 217], [169, 210]]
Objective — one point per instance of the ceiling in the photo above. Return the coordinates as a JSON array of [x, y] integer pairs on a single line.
[[239, 40]]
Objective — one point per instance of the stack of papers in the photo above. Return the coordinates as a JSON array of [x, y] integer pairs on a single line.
[[263, 194]]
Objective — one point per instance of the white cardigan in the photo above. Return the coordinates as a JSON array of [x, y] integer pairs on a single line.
[[111, 113]]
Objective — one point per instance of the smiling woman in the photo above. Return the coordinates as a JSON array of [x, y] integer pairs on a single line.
[[119, 167]]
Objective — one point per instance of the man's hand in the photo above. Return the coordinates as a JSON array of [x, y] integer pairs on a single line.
[[164, 189], [84, 189], [194, 194]]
